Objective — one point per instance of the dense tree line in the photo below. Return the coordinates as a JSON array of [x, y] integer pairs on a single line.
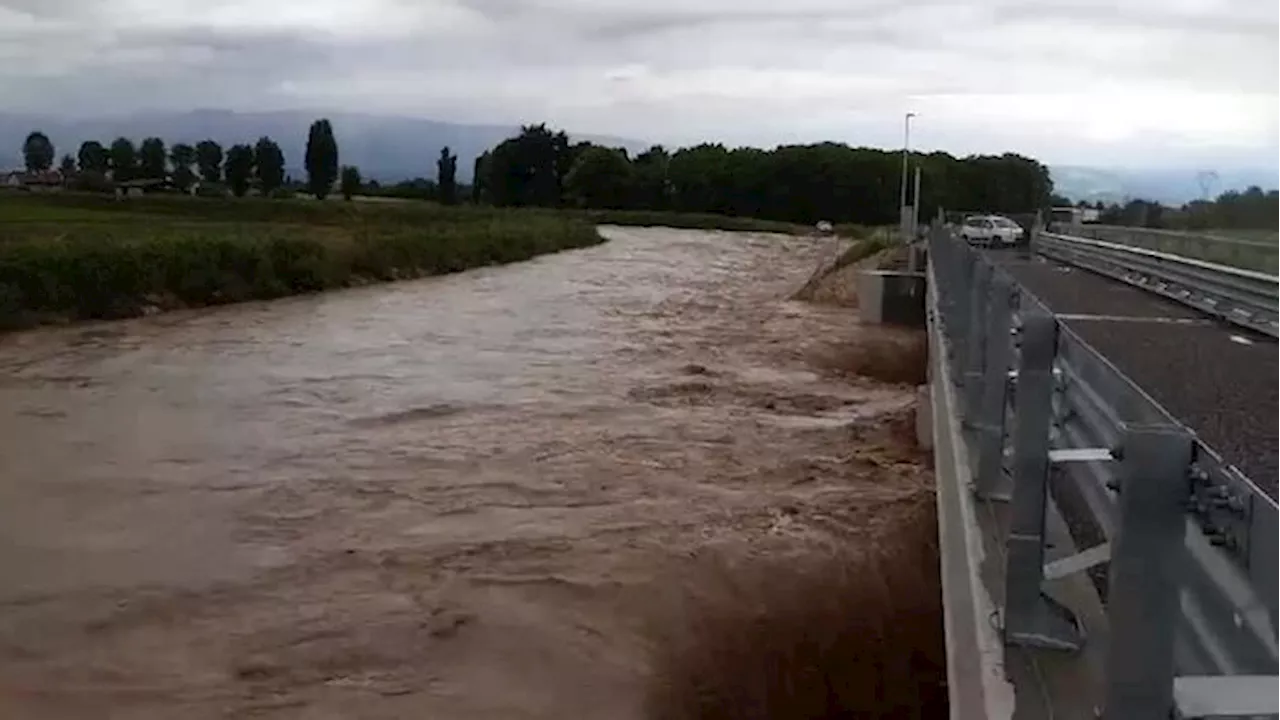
[[1251, 209], [542, 167], [798, 183]]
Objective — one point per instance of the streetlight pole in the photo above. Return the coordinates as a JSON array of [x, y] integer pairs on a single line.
[[906, 146]]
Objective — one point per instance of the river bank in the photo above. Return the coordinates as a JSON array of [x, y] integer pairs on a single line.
[[85, 257]]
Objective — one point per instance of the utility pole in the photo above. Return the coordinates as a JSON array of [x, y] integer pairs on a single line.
[[915, 206], [906, 149]]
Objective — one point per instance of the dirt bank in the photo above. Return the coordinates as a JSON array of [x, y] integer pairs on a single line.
[[460, 497]]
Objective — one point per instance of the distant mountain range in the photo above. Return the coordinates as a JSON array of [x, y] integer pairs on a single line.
[[385, 148], [390, 148]]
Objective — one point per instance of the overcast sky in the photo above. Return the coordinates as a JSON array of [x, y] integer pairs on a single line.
[[1133, 82]]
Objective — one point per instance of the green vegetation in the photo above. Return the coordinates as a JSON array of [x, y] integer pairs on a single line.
[[798, 184], [37, 152], [182, 156], [239, 169], [152, 156], [93, 157], [123, 159], [447, 176], [322, 159], [87, 256], [1236, 228], [350, 182], [268, 160], [84, 256], [209, 160]]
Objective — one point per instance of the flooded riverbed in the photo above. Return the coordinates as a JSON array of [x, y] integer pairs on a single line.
[[444, 498]]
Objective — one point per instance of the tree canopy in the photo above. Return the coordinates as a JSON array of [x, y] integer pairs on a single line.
[[269, 159], [38, 152], [321, 158], [539, 166], [181, 157], [124, 159], [798, 183], [92, 157], [209, 160], [239, 169], [153, 159], [350, 184], [601, 178], [447, 176]]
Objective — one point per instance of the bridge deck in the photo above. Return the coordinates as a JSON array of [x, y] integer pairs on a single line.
[[1218, 380]]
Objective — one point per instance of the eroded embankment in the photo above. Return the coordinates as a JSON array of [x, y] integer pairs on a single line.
[[485, 495]]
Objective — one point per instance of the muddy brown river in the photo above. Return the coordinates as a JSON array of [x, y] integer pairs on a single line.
[[446, 498]]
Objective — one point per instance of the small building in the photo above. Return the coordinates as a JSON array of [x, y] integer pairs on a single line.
[[44, 181], [147, 186], [33, 180]]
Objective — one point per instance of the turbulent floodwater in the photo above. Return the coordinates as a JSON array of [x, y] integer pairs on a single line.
[[445, 498]]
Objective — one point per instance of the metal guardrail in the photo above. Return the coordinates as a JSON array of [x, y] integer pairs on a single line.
[[1243, 297], [1188, 545], [1253, 253]]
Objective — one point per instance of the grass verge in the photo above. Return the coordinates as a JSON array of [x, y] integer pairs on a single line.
[[84, 257]]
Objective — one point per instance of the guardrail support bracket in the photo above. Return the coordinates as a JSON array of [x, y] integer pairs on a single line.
[[1031, 617], [1145, 575]]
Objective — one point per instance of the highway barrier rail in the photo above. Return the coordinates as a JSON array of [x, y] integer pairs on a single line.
[[1244, 297], [1178, 550], [1250, 250]]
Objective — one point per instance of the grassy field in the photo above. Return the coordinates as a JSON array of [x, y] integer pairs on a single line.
[[73, 257]]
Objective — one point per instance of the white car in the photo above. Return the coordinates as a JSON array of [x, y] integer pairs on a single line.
[[990, 230]]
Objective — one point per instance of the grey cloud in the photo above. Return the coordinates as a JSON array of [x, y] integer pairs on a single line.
[[684, 64]]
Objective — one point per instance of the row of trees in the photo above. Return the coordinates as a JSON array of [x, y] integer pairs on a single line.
[[1252, 209], [541, 167], [800, 183], [238, 167]]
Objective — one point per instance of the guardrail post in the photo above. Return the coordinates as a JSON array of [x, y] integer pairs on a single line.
[[1146, 560], [975, 345], [990, 482], [1032, 618], [960, 296]]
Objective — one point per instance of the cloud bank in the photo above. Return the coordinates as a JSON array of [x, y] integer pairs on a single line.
[[1141, 82]]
